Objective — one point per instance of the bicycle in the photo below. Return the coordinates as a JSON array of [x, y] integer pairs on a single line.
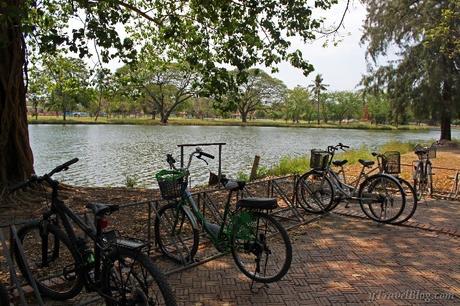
[[260, 246], [62, 263], [390, 163], [423, 174], [4, 296], [320, 190]]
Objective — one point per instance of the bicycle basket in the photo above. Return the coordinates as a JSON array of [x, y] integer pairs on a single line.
[[392, 162], [172, 183], [319, 159]]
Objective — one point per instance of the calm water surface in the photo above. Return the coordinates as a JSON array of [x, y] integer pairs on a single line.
[[109, 153]]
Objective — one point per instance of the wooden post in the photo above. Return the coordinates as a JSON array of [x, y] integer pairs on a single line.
[[255, 166]]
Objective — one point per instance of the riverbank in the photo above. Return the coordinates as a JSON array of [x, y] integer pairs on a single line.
[[220, 122]]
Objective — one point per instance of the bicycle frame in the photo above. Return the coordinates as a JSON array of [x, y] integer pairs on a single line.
[[195, 215], [64, 213]]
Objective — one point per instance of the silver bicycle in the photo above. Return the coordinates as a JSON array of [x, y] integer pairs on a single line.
[[380, 196]]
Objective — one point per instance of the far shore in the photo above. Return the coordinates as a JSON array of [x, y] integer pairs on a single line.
[[223, 122]]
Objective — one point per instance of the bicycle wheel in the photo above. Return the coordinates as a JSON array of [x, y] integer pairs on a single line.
[[381, 198], [4, 297], [175, 233], [429, 179], [130, 278], [411, 202], [260, 246], [51, 260], [419, 181], [314, 192]]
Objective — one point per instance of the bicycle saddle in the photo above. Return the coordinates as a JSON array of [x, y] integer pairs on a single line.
[[339, 163], [366, 163], [257, 203], [232, 184], [102, 209]]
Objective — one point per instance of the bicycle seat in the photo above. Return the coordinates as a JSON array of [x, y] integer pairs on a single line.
[[257, 203], [232, 184], [339, 163], [366, 163], [102, 209]]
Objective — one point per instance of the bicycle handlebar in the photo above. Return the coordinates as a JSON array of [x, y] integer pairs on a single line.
[[45, 177], [198, 153], [338, 146]]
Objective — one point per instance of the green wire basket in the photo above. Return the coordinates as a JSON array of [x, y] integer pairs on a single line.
[[172, 183]]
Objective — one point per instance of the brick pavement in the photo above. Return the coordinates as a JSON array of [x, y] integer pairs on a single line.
[[340, 260], [344, 261]]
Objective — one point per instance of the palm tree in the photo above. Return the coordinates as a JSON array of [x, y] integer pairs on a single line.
[[316, 88]]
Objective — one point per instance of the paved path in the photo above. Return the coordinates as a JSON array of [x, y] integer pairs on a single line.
[[343, 260]]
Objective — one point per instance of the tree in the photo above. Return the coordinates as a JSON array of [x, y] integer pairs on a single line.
[[297, 103], [237, 33], [427, 72], [379, 108], [316, 88], [162, 84], [37, 93], [259, 89], [67, 85], [344, 104]]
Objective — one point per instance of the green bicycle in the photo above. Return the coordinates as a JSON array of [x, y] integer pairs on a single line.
[[259, 244]]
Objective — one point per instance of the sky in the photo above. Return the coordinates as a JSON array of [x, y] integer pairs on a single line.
[[341, 66]]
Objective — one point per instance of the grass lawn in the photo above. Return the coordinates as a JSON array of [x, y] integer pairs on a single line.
[[217, 122]]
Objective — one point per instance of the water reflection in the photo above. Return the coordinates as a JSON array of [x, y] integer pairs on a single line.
[[108, 153]]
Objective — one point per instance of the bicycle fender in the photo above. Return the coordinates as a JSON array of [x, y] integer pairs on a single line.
[[191, 216]]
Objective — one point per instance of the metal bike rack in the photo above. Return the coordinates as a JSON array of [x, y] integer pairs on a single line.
[[12, 270], [206, 144]]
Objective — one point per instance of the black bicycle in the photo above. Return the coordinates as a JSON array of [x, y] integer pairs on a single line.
[[61, 262], [4, 297]]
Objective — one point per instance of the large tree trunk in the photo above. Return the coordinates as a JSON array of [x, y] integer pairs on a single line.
[[445, 127], [16, 159], [244, 117], [164, 118]]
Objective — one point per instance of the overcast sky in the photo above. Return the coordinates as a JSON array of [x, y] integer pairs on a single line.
[[341, 66]]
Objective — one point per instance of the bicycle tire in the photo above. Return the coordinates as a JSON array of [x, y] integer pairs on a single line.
[[243, 239], [148, 281], [56, 266], [419, 182], [4, 296], [411, 202], [184, 244], [429, 178], [309, 193], [372, 183]]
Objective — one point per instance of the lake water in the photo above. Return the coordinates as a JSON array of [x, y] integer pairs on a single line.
[[109, 153]]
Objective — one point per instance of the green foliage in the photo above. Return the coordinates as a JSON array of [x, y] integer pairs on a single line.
[[242, 176], [62, 82], [131, 181], [297, 104], [317, 87], [401, 147], [258, 89], [344, 105], [425, 78], [239, 34], [290, 165], [379, 108]]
